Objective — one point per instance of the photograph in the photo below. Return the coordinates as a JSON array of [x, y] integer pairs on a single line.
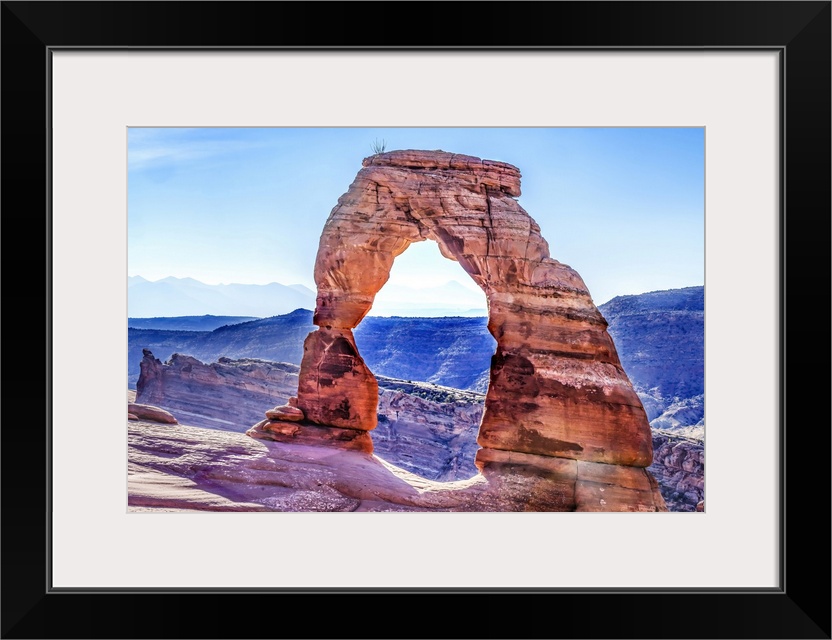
[[416, 319], [468, 277]]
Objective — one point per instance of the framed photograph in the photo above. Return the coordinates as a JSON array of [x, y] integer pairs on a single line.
[[224, 222], [81, 78]]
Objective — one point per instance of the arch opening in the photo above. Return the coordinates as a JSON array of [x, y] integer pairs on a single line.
[[426, 340]]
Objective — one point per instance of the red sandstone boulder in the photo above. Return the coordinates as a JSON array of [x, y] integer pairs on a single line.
[[149, 412], [309, 434], [285, 413]]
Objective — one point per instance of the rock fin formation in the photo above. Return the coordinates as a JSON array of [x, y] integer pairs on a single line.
[[557, 389]]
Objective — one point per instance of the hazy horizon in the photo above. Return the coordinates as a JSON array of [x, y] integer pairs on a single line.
[[623, 206], [386, 307]]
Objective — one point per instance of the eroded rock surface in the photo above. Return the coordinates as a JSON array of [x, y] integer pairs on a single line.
[[340, 390], [679, 467], [557, 387], [427, 429], [286, 413], [562, 429], [660, 336], [452, 352], [149, 412], [278, 339], [227, 394], [194, 469], [311, 434], [423, 428]]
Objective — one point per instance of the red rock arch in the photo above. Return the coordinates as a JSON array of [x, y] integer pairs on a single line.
[[557, 387]]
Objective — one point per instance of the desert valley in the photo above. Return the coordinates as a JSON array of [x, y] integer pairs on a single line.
[[324, 409], [428, 415]]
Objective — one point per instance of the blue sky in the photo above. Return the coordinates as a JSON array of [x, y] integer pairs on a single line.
[[622, 206]]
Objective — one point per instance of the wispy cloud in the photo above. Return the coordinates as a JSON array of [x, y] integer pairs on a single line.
[[157, 148]]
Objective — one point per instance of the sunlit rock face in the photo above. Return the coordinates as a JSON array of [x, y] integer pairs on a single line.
[[335, 387], [423, 428], [557, 388], [227, 394]]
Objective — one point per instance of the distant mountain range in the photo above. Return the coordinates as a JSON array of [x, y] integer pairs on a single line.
[[171, 297], [659, 337], [449, 299], [187, 323], [188, 297], [453, 352], [279, 339]]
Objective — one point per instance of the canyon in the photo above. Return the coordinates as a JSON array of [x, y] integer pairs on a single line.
[[449, 351], [659, 337], [560, 417], [425, 429]]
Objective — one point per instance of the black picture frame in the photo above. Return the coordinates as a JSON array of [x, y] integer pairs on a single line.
[[799, 608]]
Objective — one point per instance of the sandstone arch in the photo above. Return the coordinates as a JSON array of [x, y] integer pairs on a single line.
[[557, 388]]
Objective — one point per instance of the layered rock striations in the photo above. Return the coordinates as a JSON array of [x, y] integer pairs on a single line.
[[427, 429], [562, 428], [149, 412], [452, 352], [227, 394], [557, 388], [661, 338], [336, 388], [278, 339], [679, 467], [193, 469], [423, 428]]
